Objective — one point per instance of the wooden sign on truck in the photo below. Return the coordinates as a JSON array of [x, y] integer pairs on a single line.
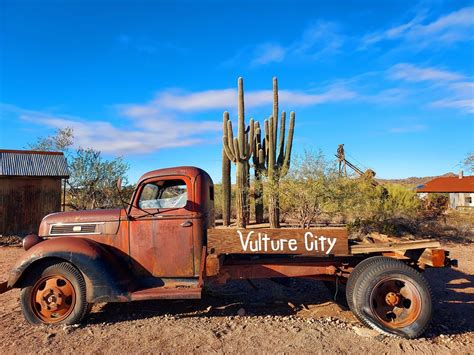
[[309, 242]]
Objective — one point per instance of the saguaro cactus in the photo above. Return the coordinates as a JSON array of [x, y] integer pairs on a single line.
[[274, 165], [258, 172], [239, 150], [226, 189]]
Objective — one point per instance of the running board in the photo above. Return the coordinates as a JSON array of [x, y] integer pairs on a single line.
[[162, 293]]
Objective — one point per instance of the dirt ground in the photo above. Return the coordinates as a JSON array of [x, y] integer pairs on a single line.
[[266, 316]]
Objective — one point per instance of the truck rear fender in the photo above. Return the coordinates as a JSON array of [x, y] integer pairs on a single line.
[[106, 278]]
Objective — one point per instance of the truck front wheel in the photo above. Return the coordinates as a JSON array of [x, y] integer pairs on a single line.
[[392, 298], [55, 295]]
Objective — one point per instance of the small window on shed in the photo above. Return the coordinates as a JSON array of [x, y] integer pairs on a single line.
[[468, 200]]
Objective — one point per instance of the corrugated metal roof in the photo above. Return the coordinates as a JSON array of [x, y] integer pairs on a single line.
[[448, 184], [32, 163]]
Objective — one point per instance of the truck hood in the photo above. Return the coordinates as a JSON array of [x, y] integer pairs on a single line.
[[96, 220]]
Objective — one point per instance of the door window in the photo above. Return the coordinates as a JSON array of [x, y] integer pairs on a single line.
[[164, 194]]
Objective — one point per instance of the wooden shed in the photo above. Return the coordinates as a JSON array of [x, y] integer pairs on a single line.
[[30, 188]]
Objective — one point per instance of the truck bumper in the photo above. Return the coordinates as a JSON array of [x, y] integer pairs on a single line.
[[4, 287]]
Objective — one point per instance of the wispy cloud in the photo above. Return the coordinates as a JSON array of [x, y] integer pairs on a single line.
[[147, 134], [462, 104], [420, 31], [409, 72], [158, 124], [227, 99], [269, 52], [448, 89], [317, 40]]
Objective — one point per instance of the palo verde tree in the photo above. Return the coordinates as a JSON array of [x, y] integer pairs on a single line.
[[239, 151], [273, 156]]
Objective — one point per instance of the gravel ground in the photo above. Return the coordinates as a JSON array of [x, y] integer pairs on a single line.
[[266, 316]]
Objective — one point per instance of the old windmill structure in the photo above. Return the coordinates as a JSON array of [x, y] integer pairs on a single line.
[[369, 174]]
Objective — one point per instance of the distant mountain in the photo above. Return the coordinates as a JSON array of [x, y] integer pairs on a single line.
[[414, 180]]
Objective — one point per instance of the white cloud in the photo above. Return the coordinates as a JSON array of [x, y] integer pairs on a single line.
[[155, 125], [456, 90], [267, 53], [317, 40], [466, 104], [146, 134], [453, 27], [226, 99], [409, 72]]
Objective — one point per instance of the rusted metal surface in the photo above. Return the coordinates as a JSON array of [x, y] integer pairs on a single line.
[[212, 265], [30, 240], [168, 242], [32, 163], [396, 302], [166, 293], [4, 287], [105, 271], [270, 270], [53, 298], [202, 267]]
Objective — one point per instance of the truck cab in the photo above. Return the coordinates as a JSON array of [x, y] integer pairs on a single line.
[[143, 251]]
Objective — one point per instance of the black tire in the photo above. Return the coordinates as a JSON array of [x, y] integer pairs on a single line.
[[354, 277], [56, 294], [391, 297]]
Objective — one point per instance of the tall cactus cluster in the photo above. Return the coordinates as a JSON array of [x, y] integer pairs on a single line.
[[273, 158], [239, 151], [270, 157]]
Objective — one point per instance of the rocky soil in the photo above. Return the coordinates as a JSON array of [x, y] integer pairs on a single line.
[[265, 316]]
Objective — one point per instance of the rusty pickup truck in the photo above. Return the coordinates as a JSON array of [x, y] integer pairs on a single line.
[[163, 245]]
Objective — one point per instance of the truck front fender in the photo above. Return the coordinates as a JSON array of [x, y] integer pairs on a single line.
[[107, 279]]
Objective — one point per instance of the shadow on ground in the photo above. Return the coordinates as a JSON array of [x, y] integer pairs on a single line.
[[453, 302]]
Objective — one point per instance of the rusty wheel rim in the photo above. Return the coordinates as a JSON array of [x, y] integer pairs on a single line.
[[53, 299], [396, 302]]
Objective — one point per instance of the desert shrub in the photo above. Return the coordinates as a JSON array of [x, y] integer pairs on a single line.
[[434, 205], [309, 189]]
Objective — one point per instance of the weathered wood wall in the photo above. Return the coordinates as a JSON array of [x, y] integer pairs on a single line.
[[24, 201]]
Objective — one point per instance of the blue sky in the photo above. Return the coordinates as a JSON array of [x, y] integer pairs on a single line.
[[149, 80]]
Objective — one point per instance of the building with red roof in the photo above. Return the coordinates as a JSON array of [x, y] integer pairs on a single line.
[[460, 189]]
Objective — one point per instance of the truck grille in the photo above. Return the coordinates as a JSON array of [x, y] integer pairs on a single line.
[[59, 229]]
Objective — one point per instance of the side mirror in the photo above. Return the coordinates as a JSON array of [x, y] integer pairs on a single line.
[[119, 184]]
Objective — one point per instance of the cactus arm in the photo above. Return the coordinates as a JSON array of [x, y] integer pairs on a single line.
[[241, 118], [271, 148], [251, 138], [281, 151], [227, 151], [237, 150], [275, 107], [289, 144], [226, 138]]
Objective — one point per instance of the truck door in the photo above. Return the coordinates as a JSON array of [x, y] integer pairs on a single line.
[[161, 233]]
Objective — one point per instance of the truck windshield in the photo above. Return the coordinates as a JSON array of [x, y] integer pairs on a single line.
[[164, 194]]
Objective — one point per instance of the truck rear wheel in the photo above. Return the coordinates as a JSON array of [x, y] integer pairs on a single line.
[[55, 295], [391, 297]]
